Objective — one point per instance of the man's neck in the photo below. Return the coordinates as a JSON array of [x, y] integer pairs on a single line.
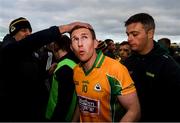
[[147, 48], [89, 64]]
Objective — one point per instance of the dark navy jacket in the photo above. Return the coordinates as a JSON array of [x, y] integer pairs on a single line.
[[157, 79]]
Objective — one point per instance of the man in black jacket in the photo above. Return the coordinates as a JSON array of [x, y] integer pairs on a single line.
[[21, 82], [154, 71], [62, 100]]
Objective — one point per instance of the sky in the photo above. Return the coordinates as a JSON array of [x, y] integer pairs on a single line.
[[106, 16]]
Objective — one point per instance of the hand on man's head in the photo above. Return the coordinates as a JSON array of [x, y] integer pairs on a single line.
[[68, 27]]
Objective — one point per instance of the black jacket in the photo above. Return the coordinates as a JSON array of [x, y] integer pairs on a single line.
[[21, 83], [157, 79], [66, 87]]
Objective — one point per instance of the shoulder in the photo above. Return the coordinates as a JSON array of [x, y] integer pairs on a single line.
[[78, 67], [131, 61], [65, 65], [114, 66], [64, 71], [169, 62], [167, 59], [72, 57], [111, 61], [7, 40]]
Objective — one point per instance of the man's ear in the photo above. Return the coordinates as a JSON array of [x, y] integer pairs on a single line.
[[151, 34], [95, 43]]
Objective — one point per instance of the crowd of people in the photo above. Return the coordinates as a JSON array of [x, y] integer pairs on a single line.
[[50, 76]]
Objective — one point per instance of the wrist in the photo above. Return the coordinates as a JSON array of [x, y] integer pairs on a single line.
[[62, 29]]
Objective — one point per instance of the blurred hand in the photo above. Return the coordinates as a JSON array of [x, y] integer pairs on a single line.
[[52, 68]]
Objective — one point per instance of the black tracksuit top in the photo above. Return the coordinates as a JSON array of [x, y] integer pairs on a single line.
[[157, 80]]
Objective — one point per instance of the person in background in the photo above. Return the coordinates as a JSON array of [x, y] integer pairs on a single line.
[[111, 48], [124, 51], [154, 71], [0, 43], [101, 82], [166, 43], [174, 52], [22, 97], [47, 61], [62, 99], [102, 46]]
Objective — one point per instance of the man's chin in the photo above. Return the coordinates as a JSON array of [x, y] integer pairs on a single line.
[[83, 60]]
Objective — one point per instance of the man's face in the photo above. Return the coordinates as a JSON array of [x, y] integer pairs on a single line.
[[111, 46], [124, 51], [137, 37], [56, 51], [82, 44], [21, 34]]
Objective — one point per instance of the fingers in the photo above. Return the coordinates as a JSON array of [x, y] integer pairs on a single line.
[[52, 68], [68, 27], [87, 25]]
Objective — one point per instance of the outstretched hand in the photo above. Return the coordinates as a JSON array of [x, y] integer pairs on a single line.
[[69, 27]]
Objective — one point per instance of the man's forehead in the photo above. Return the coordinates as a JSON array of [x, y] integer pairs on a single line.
[[80, 31]]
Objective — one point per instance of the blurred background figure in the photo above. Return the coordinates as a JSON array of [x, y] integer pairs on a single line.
[[111, 48], [124, 51], [0, 43], [101, 46], [166, 44], [176, 50], [171, 48]]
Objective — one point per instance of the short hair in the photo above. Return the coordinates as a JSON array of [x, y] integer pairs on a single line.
[[145, 19], [108, 41], [124, 43], [101, 46], [90, 29], [64, 43], [167, 41]]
